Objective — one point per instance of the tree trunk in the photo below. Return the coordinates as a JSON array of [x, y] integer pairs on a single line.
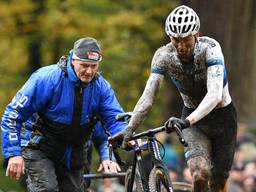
[[34, 52], [35, 39]]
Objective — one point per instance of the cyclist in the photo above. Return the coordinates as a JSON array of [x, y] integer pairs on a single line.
[[67, 97], [196, 67]]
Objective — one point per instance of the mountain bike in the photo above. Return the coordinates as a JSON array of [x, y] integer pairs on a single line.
[[158, 179]]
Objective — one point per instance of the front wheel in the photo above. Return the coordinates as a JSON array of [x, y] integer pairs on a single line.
[[159, 180], [137, 185]]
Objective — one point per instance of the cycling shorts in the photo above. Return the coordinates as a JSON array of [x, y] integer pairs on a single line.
[[213, 138]]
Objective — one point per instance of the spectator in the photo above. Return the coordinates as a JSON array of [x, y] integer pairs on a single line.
[[111, 185], [249, 180], [236, 175]]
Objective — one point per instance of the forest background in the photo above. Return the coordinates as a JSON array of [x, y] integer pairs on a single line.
[[37, 33]]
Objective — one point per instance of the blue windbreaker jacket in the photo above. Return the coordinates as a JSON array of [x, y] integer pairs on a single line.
[[50, 92]]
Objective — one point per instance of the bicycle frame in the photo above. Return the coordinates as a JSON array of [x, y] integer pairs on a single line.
[[137, 160], [152, 146]]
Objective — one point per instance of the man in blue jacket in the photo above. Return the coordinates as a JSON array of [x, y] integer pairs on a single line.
[[67, 97]]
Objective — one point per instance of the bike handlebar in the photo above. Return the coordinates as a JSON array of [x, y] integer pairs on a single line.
[[103, 175], [149, 132], [115, 142], [152, 132]]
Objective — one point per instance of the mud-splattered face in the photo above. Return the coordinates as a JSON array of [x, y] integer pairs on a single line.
[[85, 71], [185, 47]]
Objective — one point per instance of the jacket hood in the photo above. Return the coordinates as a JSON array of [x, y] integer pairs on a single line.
[[70, 71], [65, 63]]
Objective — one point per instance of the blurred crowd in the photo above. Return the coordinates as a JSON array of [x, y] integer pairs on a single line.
[[243, 173]]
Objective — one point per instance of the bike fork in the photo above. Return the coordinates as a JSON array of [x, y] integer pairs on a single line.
[[142, 173], [133, 172], [157, 160]]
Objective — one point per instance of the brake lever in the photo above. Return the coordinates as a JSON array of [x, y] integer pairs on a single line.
[[110, 149], [180, 135], [113, 145]]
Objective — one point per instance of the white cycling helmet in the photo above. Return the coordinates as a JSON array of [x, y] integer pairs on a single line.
[[181, 22]]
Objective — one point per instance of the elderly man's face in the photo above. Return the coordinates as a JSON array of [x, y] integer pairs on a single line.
[[85, 70]]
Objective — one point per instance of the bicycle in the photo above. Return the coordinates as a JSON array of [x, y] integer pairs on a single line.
[[158, 179]]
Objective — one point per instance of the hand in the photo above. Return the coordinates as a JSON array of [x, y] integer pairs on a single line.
[[124, 136], [181, 123], [109, 166], [16, 167]]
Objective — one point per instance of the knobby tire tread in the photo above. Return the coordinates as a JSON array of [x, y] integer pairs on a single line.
[[137, 181], [156, 176]]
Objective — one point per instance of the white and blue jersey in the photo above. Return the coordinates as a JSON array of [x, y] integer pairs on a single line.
[[202, 83]]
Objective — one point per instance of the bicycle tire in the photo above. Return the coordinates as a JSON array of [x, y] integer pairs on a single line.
[[137, 185], [182, 187], [158, 181]]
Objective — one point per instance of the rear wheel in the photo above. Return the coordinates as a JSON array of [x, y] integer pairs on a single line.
[[137, 184], [159, 181]]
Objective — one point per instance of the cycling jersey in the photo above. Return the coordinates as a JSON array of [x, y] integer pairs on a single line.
[[202, 83], [191, 81], [50, 91]]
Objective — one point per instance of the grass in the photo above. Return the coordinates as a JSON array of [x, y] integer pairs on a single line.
[[8, 185]]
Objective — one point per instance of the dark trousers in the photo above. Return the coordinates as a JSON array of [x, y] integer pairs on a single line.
[[214, 139], [45, 175]]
